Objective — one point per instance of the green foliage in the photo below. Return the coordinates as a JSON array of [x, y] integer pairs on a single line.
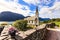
[[20, 24], [57, 23], [31, 26], [57, 19], [52, 20], [45, 22], [3, 24], [41, 23]]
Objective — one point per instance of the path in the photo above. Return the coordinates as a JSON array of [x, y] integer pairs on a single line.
[[53, 34]]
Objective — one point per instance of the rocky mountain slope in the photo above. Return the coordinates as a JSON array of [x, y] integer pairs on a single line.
[[10, 16]]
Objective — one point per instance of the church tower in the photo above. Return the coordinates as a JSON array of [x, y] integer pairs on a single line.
[[37, 17]]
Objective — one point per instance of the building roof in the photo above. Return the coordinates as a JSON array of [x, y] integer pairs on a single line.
[[30, 18]]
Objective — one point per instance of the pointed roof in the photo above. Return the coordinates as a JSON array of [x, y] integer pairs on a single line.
[[36, 10], [30, 18]]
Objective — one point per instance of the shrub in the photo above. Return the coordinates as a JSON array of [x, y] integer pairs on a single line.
[[51, 25], [31, 26], [45, 21], [20, 24], [3, 24]]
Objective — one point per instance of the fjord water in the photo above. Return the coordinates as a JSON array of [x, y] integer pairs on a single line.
[[9, 22]]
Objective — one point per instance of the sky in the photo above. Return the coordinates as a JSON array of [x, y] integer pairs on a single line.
[[46, 8]]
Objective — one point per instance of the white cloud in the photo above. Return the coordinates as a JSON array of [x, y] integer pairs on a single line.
[[51, 12], [39, 2], [45, 12], [47, 1], [32, 1], [14, 7], [12, 0]]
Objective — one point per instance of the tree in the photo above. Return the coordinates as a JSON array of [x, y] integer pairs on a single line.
[[20, 24]]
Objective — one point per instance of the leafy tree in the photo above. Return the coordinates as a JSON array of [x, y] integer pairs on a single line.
[[45, 21], [20, 24]]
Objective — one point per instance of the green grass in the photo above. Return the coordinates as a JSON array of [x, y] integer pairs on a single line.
[[57, 23]]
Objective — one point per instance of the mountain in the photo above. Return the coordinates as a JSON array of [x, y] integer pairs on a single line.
[[43, 19], [10, 16], [27, 16]]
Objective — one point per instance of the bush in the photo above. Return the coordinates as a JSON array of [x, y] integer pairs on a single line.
[[45, 21], [51, 25], [31, 26], [3, 24], [20, 24]]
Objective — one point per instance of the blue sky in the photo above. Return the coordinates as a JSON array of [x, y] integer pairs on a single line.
[[47, 8], [32, 6]]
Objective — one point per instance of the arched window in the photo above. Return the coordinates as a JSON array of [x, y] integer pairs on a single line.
[[29, 21], [32, 21]]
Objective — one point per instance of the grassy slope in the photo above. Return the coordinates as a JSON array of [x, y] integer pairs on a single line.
[[57, 23]]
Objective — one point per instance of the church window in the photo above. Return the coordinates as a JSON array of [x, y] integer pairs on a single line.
[[29, 21], [32, 21]]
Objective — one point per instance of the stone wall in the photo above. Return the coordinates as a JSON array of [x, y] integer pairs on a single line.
[[37, 35], [32, 34]]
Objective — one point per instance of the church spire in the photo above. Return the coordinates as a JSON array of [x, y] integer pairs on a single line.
[[37, 13], [37, 16]]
